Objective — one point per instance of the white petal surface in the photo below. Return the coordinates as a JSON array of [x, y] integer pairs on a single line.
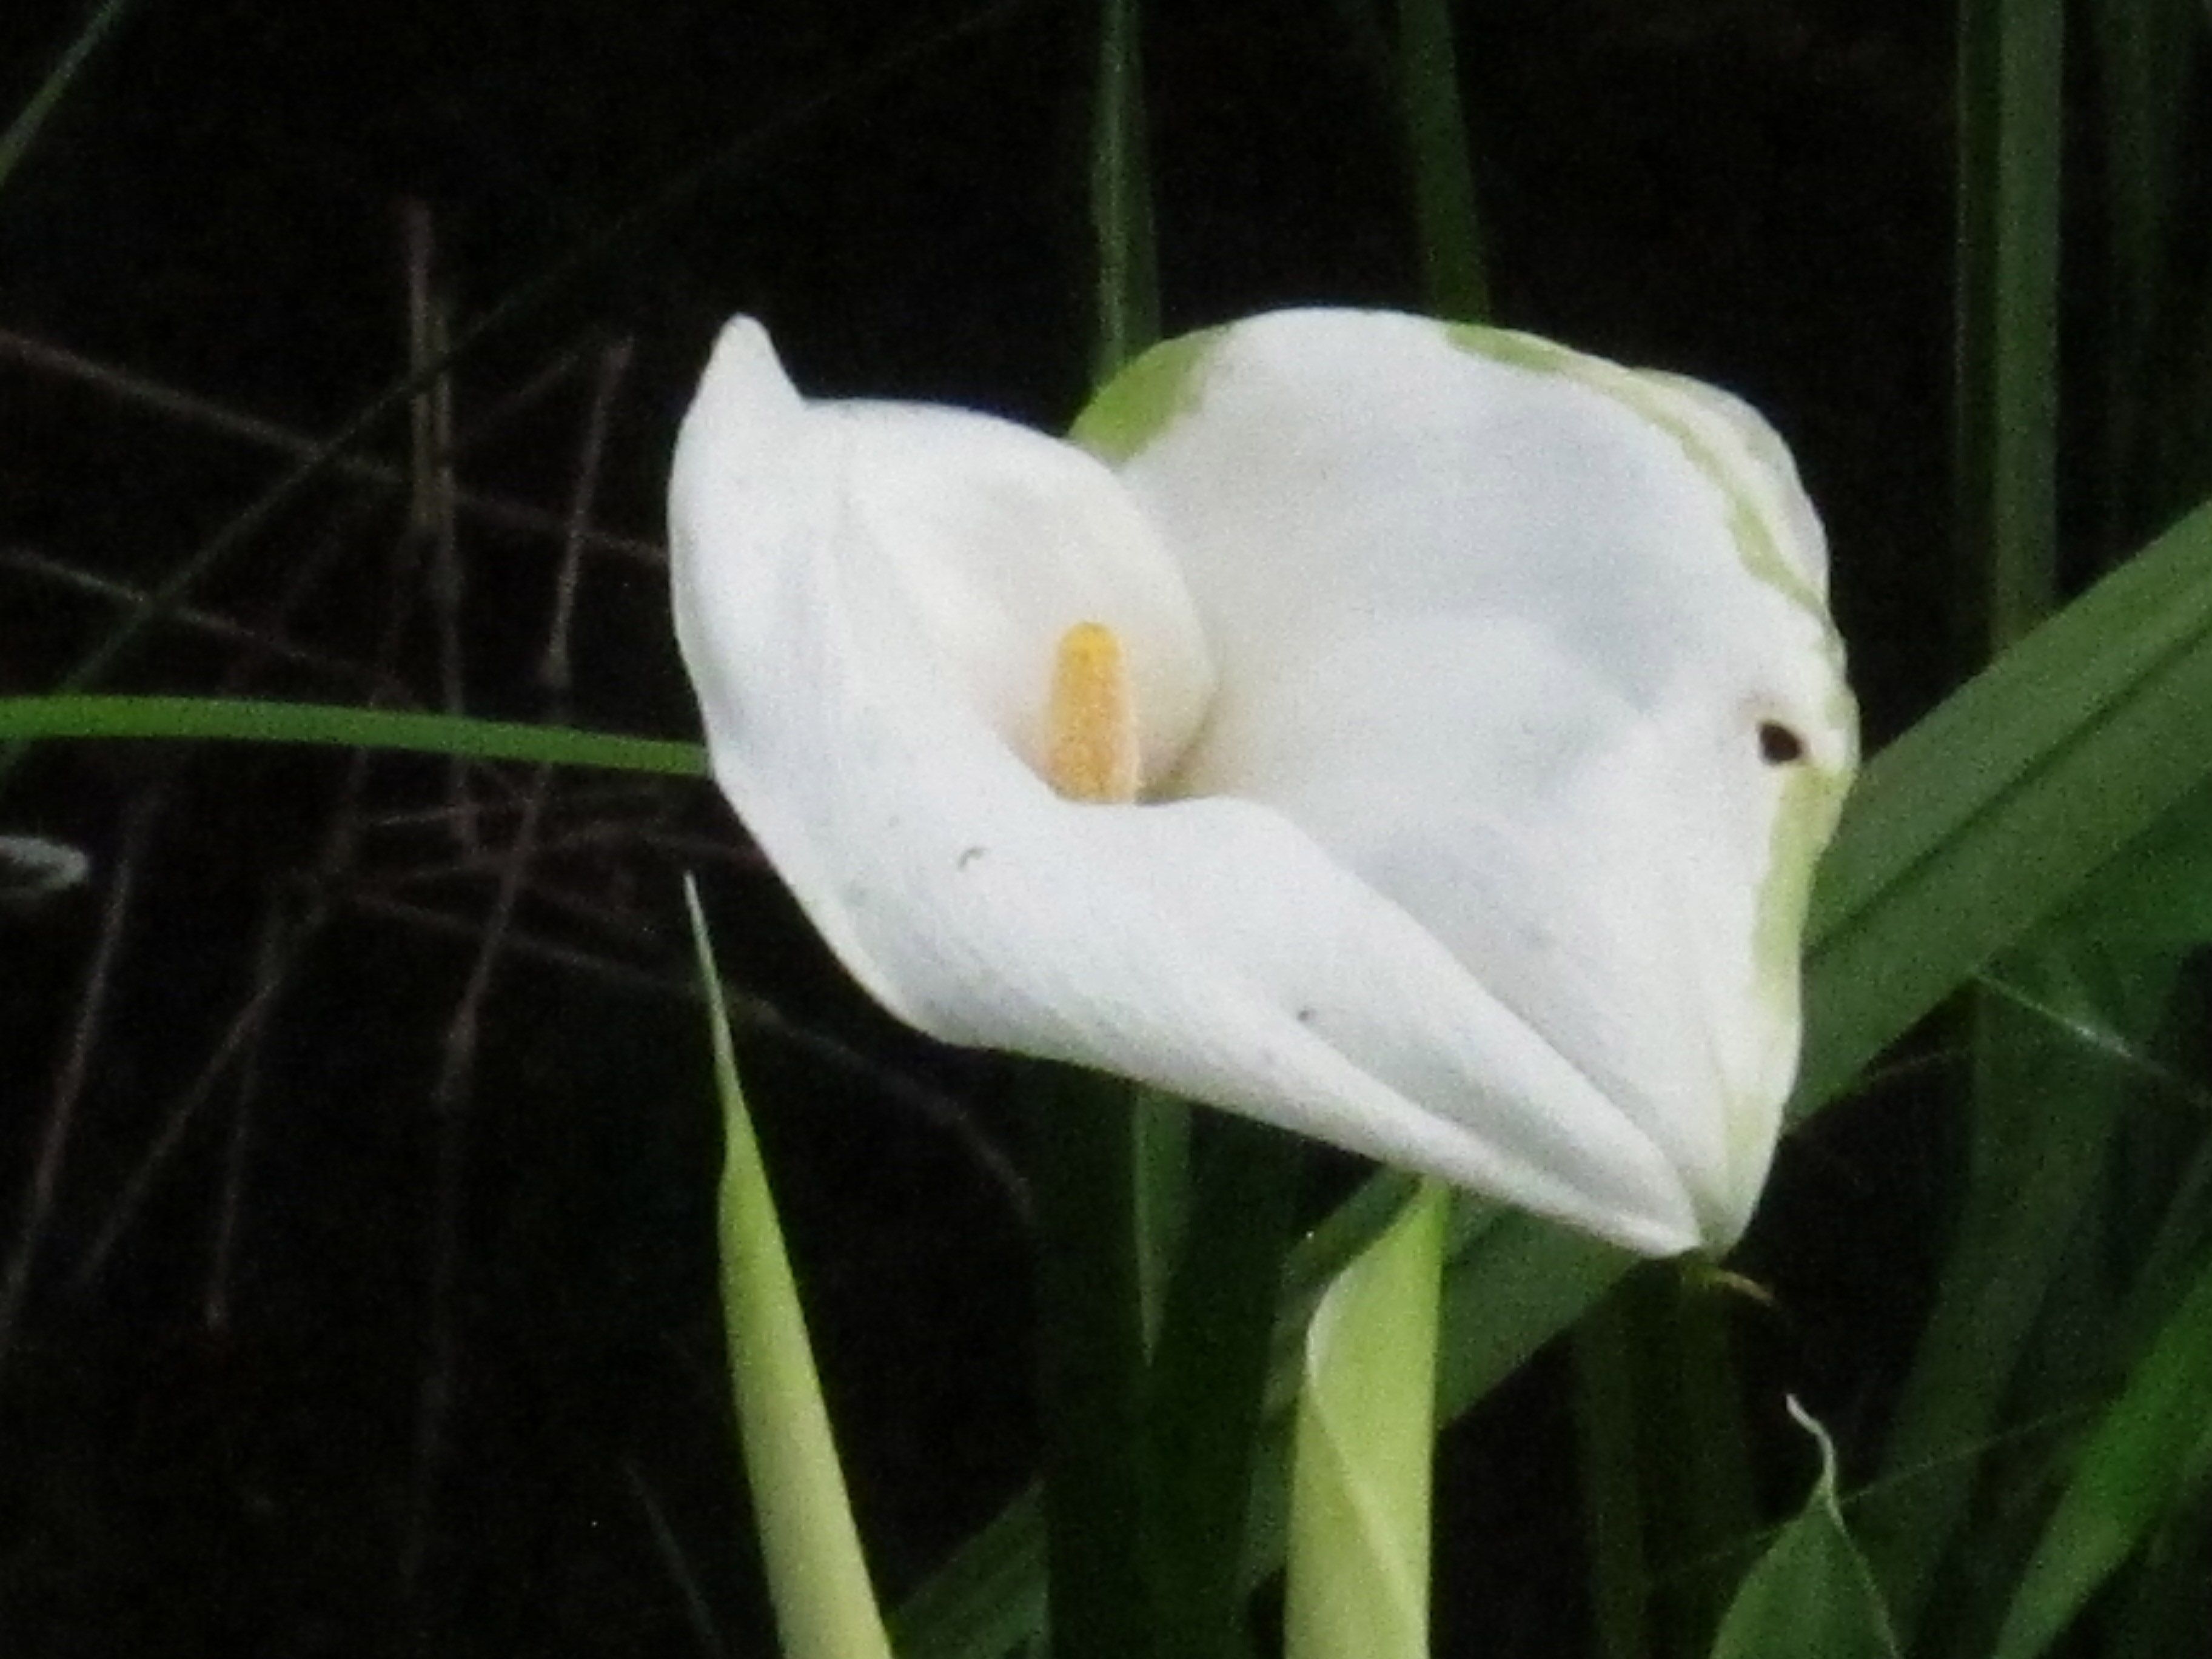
[[1499, 627]]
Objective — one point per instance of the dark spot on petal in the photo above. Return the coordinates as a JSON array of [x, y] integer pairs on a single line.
[[1777, 744], [1307, 1016], [970, 856]]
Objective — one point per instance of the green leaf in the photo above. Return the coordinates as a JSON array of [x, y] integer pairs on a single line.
[[2159, 891], [1356, 1582], [81, 716], [817, 1577], [1990, 814], [1810, 1595], [2148, 1453], [2048, 1108]]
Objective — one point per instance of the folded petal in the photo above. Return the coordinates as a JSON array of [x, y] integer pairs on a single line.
[[1537, 647]]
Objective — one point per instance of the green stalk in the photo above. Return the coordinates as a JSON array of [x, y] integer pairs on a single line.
[[1122, 196], [1209, 1378], [2010, 117], [1091, 1357], [1696, 1447], [1619, 1576], [1438, 163], [17, 140], [1110, 1177], [2010, 113], [2149, 62], [1666, 1474]]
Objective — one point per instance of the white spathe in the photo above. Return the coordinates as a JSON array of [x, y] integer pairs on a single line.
[[1490, 718]]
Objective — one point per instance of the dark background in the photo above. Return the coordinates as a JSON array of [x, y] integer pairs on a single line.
[[327, 1358]]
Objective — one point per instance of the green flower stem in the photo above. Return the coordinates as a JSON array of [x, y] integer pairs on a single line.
[[1711, 1507], [1667, 1490], [1613, 1496], [1442, 175], [1121, 194], [2011, 115], [1208, 1382], [1090, 1343], [1152, 1414]]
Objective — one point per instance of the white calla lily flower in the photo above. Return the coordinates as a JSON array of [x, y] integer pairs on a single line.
[[1477, 699]]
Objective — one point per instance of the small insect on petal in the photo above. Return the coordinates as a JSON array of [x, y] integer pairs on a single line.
[[1779, 746], [1090, 752]]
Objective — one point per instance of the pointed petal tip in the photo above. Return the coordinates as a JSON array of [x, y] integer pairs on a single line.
[[743, 342], [744, 380]]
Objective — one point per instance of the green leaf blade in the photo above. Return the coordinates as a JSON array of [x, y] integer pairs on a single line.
[[81, 715], [2148, 1453], [825, 1607], [1985, 818], [1358, 1576], [1811, 1594]]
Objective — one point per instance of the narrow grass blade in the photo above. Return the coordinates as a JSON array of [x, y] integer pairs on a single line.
[[1696, 1447], [2150, 57], [1453, 282], [1614, 1522], [1810, 1595], [1208, 1382], [1121, 194], [2160, 1605], [817, 1576], [2010, 121], [1357, 1578], [2005, 415], [1666, 1474], [2150, 1452], [24, 129], [79, 715], [1091, 1358], [990, 1599]]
